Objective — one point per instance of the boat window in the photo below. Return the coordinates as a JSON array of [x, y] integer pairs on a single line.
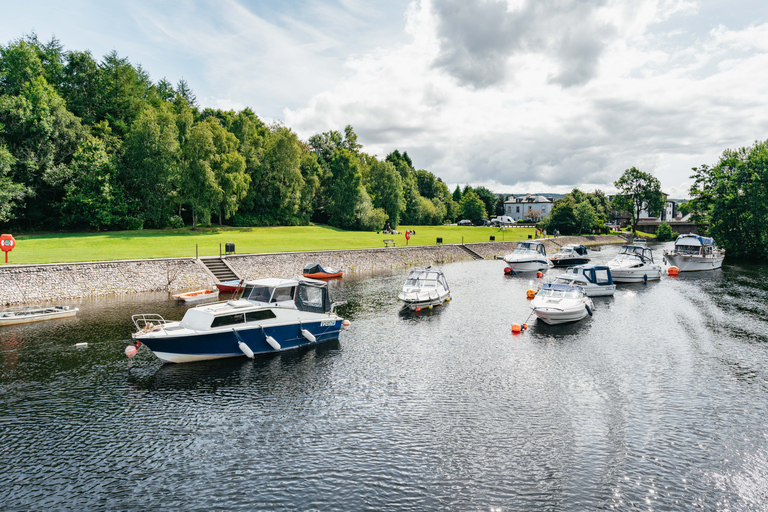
[[283, 294], [313, 298], [257, 293], [220, 321], [262, 314], [573, 294], [601, 276]]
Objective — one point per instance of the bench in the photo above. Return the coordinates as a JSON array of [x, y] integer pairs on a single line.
[[389, 241]]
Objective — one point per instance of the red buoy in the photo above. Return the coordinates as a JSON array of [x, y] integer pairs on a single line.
[[130, 351], [516, 328], [673, 271]]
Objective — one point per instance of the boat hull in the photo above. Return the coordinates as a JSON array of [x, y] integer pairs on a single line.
[[324, 275], [423, 300], [636, 275], [553, 316], [198, 296], [228, 286], [527, 265], [224, 343], [687, 263], [27, 319], [568, 262]]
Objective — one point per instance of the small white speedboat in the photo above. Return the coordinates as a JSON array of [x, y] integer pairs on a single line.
[[694, 252], [527, 257], [561, 303], [595, 279], [425, 288], [634, 264], [31, 314]]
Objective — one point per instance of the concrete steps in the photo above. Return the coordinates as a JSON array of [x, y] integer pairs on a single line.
[[219, 268]]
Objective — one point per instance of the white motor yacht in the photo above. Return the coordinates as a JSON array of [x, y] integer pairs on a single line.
[[561, 303], [570, 254], [425, 288], [527, 257], [694, 252], [595, 279], [634, 264]]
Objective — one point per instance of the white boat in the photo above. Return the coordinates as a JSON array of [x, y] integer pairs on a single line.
[[527, 257], [425, 287], [30, 314], [570, 254], [561, 303], [595, 279], [694, 252], [634, 264], [273, 315], [197, 296]]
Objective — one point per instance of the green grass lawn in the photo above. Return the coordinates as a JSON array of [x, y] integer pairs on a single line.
[[172, 243]]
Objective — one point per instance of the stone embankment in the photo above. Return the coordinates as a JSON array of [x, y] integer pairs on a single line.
[[52, 282]]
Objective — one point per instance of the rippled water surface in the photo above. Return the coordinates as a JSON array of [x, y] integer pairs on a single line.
[[657, 402]]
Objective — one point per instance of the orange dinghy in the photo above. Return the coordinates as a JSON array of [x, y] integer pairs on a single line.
[[197, 296], [315, 271]]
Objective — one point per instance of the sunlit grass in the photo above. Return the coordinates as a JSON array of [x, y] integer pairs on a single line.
[[173, 243]]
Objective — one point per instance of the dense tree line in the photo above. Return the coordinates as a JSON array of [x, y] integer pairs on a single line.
[[87, 144], [732, 196], [578, 212]]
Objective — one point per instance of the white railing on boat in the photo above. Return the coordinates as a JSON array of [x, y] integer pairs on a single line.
[[146, 322]]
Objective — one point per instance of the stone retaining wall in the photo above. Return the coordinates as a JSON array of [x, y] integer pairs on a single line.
[[37, 283]]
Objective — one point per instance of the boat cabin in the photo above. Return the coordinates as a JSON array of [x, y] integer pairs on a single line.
[[644, 253], [560, 291], [536, 247], [596, 274], [425, 278], [572, 250], [694, 244]]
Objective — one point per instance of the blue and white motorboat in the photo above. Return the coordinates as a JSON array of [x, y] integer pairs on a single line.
[[596, 280], [694, 252], [272, 315], [527, 257], [561, 303]]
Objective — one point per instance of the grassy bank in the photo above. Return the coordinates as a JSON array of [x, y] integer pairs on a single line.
[[119, 245]]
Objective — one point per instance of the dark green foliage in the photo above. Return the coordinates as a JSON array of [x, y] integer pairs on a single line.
[[663, 232], [638, 191], [562, 217], [733, 197]]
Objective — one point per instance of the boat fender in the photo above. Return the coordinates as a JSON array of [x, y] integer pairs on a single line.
[[308, 335], [345, 323], [531, 293], [245, 349], [539, 274], [272, 342], [130, 351], [589, 310], [645, 278]]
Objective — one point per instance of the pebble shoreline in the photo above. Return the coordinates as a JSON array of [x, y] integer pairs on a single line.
[[21, 284]]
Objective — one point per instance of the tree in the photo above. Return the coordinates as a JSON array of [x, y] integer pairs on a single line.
[[471, 206], [387, 190], [279, 178], [344, 189], [585, 215], [733, 196], [664, 232], [562, 217], [534, 214], [11, 194], [489, 199], [201, 189], [638, 191]]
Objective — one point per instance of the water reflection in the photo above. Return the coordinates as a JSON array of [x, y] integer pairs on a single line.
[[657, 401]]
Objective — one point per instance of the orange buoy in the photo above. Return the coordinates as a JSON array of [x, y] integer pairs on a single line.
[[673, 271], [345, 323], [130, 351], [418, 308], [525, 326], [539, 274], [531, 293], [516, 328]]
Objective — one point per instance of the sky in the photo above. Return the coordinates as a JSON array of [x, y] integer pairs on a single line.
[[518, 96]]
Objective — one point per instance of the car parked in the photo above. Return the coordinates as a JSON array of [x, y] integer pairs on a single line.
[[464, 222]]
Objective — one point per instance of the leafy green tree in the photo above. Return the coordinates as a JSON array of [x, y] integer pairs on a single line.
[[663, 232], [20, 64], [344, 189], [387, 190], [368, 217], [684, 208], [80, 86], [471, 206], [200, 189], [585, 215], [638, 191], [149, 169], [11, 194], [733, 196], [457, 194], [279, 179], [229, 168], [562, 217], [93, 197], [489, 198], [123, 92]]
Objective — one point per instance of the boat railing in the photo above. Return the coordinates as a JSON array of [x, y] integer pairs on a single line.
[[334, 305], [147, 322]]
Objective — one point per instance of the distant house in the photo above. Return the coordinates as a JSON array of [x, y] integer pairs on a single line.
[[528, 207], [668, 213]]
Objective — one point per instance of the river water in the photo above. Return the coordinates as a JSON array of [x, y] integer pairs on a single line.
[[657, 402]]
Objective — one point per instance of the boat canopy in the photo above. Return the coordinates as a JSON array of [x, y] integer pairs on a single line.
[[560, 287], [531, 246], [641, 252], [694, 240], [597, 274], [573, 248], [307, 294], [425, 278]]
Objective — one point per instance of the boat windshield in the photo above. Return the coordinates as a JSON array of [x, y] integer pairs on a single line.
[[634, 250], [559, 294], [422, 279], [529, 248]]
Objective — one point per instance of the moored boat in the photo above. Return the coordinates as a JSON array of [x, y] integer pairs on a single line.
[[316, 271], [596, 280], [634, 264], [694, 252], [30, 314], [570, 254], [425, 288], [229, 286], [197, 296], [561, 303], [273, 315], [527, 257]]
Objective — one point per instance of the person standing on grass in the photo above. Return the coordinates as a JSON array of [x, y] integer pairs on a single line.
[[407, 236]]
